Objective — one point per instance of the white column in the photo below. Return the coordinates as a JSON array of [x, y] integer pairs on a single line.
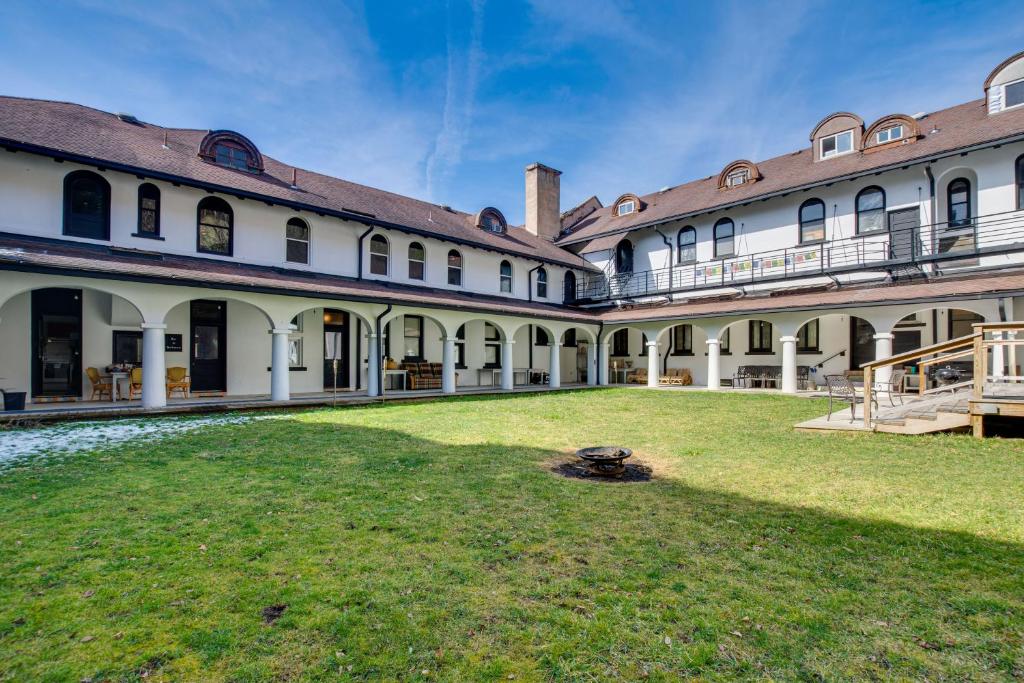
[[508, 375], [998, 356], [788, 364], [653, 362], [372, 366], [602, 364], [448, 365], [279, 389], [555, 366], [154, 372], [883, 349], [592, 369], [714, 371]]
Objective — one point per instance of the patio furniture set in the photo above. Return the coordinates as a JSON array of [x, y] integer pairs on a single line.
[[109, 385]]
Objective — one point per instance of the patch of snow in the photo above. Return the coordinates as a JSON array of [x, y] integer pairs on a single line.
[[65, 439]]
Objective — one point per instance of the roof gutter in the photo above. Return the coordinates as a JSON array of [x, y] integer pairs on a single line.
[[344, 214], [806, 186]]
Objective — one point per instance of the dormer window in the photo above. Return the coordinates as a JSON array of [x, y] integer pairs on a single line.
[[836, 145], [491, 220], [231, 150], [1004, 87], [889, 134], [626, 204], [737, 177]]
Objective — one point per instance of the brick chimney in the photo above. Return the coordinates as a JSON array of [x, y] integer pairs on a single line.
[[543, 201]]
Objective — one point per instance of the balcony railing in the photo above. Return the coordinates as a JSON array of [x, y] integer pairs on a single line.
[[883, 250]]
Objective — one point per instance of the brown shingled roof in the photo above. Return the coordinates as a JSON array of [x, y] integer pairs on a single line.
[[97, 135], [74, 258], [959, 127]]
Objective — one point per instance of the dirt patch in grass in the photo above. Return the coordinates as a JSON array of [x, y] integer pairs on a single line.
[[575, 468], [272, 613]]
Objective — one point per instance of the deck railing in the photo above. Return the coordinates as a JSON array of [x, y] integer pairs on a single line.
[[975, 346], [882, 250]]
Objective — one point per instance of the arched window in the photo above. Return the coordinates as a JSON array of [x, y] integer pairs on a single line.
[[149, 211], [417, 261], [1020, 183], [624, 257], [724, 231], [569, 287], [542, 283], [216, 227], [505, 277], [233, 155], [958, 202], [86, 205], [812, 221], [296, 241], [686, 242], [380, 255], [870, 210], [454, 268]]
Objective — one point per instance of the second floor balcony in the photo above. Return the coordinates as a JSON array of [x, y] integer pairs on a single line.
[[898, 250]]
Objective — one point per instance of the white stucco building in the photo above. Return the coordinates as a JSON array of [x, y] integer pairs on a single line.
[[124, 243]]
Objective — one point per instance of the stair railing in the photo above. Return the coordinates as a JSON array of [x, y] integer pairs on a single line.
[[976, 346]]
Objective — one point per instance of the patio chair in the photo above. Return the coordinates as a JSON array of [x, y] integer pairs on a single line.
[[743, 377], [100, 385], [638, 376], [841, 390], [894, 387], [178, 380], [135, 383]]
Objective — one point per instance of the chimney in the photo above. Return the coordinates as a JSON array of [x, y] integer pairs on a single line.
[[543, 217]]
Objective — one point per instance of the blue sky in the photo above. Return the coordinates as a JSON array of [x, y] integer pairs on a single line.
[[450, 101]]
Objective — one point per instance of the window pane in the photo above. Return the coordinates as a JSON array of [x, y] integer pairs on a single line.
[[415, 270], [378, 264], [214, 239], [416, 252], [454, 276], [207, 340], [828, 146], [1014, 94], [297, 252], [492, 355], [844, 142], [297, 230]]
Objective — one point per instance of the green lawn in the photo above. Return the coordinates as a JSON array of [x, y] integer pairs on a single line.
[[432, 542]]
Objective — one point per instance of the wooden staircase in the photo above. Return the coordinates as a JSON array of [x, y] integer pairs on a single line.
[[995, 391], [936, 413]]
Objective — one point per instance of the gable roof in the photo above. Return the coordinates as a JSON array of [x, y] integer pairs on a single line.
[[961, 127], [91, 136]]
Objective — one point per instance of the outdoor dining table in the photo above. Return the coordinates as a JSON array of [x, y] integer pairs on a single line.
[[115, 384]]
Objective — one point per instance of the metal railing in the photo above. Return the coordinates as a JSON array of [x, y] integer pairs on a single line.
[[882, 250]]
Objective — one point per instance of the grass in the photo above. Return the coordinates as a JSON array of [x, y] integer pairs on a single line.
[[431, 542]]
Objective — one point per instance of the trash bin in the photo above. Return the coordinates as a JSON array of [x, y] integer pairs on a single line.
[[14, 400]]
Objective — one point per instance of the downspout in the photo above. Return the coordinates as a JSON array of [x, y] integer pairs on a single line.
[[931, 208], [380, 367], [597, 356], [359, 353], [668, 352], [668, 243], [360, 257]]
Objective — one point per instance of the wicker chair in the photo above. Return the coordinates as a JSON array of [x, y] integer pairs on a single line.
[[638, 376], [841, 390], [100, 385], [676, 377], [178, 380], [135, 383]]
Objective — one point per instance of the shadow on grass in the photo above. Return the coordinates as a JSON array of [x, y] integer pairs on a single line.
[[397, 555]]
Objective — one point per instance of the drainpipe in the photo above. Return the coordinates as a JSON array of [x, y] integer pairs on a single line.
[[359, 353], [380, 367], [597, 363], [529, 282], [931, 205], [360, 257], [668, 243]]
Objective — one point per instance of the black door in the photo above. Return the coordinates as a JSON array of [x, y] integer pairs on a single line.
[[335, 349], [904, 226], [208, 354], [862, 342], [57, 342]]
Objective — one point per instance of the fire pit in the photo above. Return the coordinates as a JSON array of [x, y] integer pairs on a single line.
[[606, 461]]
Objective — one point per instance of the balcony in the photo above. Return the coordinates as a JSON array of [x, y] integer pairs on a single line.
[[894, 250]]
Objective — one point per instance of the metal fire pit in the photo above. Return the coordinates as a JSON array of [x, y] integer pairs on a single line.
[[606, 461]]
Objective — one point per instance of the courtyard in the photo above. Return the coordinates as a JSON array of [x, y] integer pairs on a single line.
[[434, 541]]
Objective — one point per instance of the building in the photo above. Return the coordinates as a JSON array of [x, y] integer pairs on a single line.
[[126, 242]]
